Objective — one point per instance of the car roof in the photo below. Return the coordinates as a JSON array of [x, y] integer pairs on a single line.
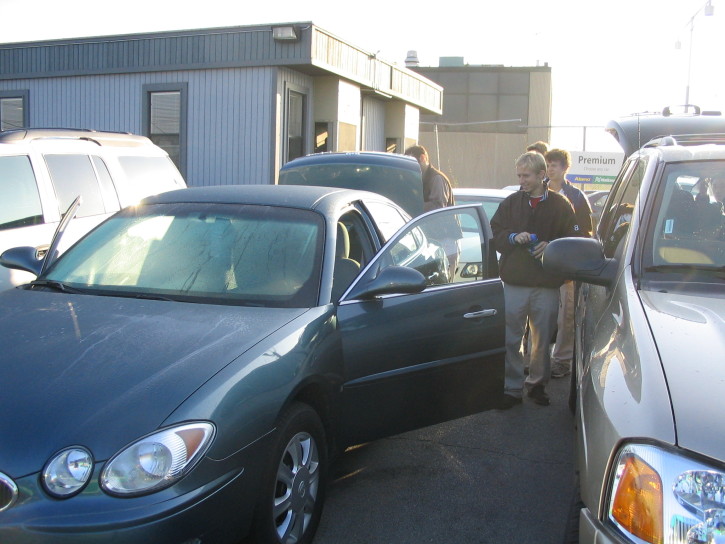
[[634, 131], [481, 192], [292, 196], [391, 160], [101, 138]]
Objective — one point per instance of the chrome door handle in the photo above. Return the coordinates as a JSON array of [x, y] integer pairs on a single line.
[[480, 313]]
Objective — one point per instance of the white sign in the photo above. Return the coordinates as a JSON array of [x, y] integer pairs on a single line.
[[593, 167]]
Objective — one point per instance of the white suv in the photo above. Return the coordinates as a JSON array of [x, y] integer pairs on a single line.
[[43, 170]]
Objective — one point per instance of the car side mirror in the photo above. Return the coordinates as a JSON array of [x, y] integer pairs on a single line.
[[22, 258], [580, 259], [392, 280]]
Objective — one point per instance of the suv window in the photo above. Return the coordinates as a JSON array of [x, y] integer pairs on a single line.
[[617, 218], [20, 202], [686, 238], [149, 175], [73, 175]]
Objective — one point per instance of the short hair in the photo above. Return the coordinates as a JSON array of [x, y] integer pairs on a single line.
[[539, 147], [559, 155], [533, 160], [417, 151]]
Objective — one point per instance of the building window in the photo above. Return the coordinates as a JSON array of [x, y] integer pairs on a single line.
[[165, 120], [322, 137], [13, 112], [296, 144]]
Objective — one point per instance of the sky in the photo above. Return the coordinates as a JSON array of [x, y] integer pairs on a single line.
[[608, 58]]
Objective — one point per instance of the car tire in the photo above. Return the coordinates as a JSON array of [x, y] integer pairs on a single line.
[[293, 485]]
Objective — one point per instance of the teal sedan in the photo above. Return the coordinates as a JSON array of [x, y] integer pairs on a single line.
[[187, 370]]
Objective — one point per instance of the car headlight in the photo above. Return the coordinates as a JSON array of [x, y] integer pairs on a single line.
[[157, 460], [660, 494], [68, 472]]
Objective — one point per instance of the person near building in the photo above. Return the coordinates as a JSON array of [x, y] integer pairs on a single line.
[[539, 147], [525, 222], [437, 193], [558, 162]]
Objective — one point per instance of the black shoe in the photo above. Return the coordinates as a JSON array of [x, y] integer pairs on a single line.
[[508, 401], [538, 395]]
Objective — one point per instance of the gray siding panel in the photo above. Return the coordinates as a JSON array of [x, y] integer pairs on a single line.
[[230, 116]]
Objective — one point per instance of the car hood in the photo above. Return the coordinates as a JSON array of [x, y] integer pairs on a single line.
[[690, 334], [103, 371]]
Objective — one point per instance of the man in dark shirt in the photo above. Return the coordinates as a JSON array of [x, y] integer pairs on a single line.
[[530, 292]]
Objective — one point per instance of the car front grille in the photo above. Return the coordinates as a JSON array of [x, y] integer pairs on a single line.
[[8, 492]]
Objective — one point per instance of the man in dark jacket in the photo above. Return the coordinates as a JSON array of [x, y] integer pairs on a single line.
[[525, 222], [437, 193]]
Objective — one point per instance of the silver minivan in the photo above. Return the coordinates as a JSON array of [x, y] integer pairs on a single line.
[[42, 171], [649, 372]]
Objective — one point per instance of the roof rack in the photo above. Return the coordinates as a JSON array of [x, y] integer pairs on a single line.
[[686, 140], [120, 139]]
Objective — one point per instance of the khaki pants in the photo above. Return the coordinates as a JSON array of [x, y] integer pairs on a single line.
[[564, 347], [540, 306]]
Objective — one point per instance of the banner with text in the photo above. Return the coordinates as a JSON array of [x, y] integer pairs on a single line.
[[594, 168]]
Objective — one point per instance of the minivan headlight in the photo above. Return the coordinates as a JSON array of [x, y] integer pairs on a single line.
[[659, 494], [157, 460]]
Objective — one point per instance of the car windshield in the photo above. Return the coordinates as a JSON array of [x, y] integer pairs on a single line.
[[686, 241], [211, 253]]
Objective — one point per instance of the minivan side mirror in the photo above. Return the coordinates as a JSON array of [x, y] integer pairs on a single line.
[[580, 259]]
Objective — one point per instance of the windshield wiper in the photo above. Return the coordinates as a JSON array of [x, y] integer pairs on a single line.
[[56, 286]]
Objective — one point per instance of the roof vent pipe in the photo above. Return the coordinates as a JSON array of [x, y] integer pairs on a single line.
[[411, 60]]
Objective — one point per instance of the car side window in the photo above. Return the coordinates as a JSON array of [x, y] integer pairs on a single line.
[[388, 219], [20, 202], [436, 246], [615, 225], [73, 175], [353, 250]]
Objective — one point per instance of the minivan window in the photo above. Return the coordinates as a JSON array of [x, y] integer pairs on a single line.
[[73, 175], [19, 199]]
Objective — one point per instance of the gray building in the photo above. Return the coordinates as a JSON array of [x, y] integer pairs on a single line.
[[490, 115], [230, 105]]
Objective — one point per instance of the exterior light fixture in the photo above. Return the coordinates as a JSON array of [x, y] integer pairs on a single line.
[[287, 33]]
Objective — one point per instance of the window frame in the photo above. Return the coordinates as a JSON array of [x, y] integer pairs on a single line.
[[183, 90], [24, 96], [289, 90]]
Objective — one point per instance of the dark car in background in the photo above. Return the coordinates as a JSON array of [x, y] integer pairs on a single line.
[[648, 369], [392, 175], [185, 372]]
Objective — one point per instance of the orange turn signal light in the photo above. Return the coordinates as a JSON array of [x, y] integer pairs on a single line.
[[637, 501]]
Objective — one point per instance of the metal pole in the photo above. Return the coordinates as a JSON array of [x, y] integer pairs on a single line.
[[438, 147], [689, 65]]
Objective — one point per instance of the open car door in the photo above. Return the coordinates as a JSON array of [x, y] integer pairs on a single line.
[[418, 356]]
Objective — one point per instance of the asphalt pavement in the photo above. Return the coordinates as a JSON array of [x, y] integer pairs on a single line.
[[498, 476]]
